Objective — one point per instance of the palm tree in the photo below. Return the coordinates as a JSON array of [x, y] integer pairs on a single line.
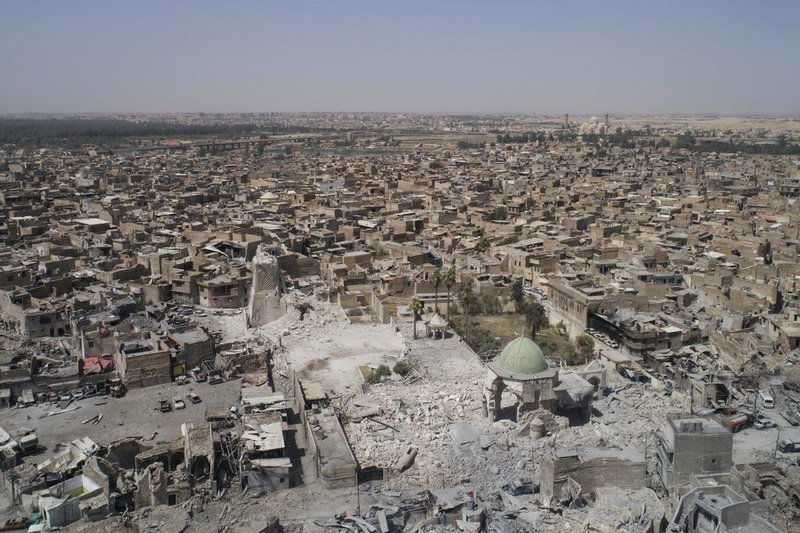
[[436, 278], [416, 307], [449, 281], [467, 295]]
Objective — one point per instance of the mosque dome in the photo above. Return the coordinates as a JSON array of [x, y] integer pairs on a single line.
[[521, 356], [268, 197]]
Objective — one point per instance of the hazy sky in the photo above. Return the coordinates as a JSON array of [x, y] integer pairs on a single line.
[[555, 56]]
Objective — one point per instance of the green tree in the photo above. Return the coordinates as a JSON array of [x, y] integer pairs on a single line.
[[535, 316], [436, 278], [467, 295], [500, 213], [518, 295], [416, 307], [571, 355], [449, 281], [483, 245], [585, 345]]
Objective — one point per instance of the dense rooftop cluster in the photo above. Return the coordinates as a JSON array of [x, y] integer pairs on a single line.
[[655, 260]]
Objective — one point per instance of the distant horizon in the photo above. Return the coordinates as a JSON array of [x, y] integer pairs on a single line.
[[77, 114], [625, 57]]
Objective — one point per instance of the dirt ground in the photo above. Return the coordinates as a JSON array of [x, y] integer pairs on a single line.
[[333, 359], [507, 327]]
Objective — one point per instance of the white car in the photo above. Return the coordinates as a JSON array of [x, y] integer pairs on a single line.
[[764, 423], [177, 403]]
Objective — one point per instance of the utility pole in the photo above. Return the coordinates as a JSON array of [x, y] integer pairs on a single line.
[[777, 440], [358, 497]]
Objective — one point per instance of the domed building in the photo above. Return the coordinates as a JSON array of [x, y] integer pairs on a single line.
[[522, 369], [522, 356], [594, 126]]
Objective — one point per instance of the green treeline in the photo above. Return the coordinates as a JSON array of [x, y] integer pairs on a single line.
[[780, 147], [46, 132]]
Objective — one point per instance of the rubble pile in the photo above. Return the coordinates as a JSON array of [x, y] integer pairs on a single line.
[[320, 319]]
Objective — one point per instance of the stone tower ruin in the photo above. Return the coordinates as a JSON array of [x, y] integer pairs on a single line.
[[266, 291]]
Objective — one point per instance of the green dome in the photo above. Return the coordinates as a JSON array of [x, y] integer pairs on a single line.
[[521, 356]]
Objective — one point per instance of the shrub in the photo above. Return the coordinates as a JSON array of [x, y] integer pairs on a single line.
[[377, 375], [403, 368]]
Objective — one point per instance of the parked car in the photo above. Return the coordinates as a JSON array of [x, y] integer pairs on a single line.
[[198, 375], [29, 444], [767, 401], [164, 406], [177, 403], [182, 380], [215, 379], [791, 416], [89, 391], [787, 446], [192, 397], [764, 423]]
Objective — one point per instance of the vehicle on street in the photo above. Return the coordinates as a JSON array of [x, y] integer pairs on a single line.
[[29, 444], [791, 416], [215, 379], [736, 422], [182, 380], [14, 524], [178, 403], [788, 446], [767, 402], [198, 375], [764, 423], [89, 390], [192, 397], [164, 406]]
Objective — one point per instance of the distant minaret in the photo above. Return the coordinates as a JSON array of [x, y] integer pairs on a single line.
[[566, 121], [606, 120]]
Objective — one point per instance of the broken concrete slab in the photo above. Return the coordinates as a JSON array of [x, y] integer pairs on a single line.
[[463, 433]]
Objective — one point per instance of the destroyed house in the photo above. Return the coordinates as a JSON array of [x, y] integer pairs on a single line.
[[336, 464], [143, 362], [687, 446], [263, 461], [568, 474]]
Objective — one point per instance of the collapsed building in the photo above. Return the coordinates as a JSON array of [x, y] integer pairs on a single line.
[[567, 475], [264, 305]]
